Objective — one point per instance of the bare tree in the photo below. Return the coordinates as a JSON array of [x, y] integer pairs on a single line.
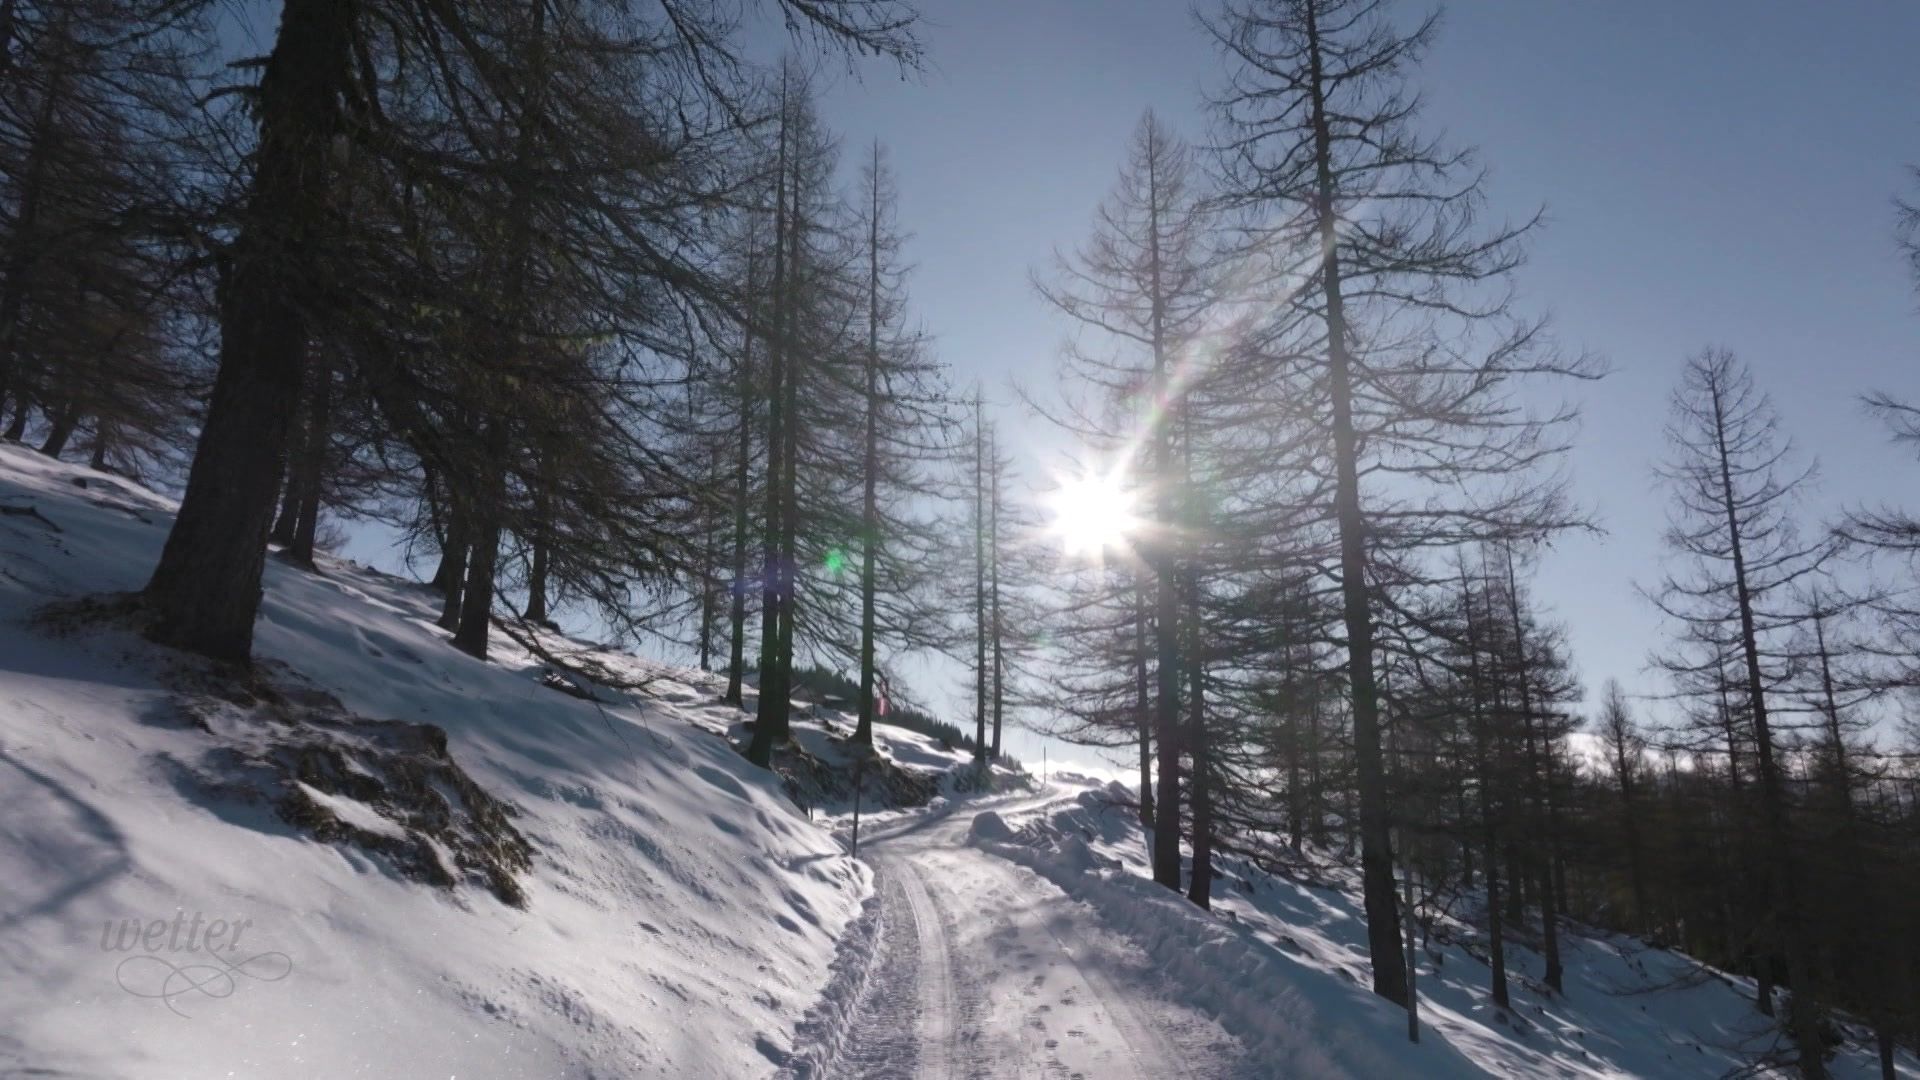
[[1736, 556], [1141, 284], [319, 87], [1398, 349]]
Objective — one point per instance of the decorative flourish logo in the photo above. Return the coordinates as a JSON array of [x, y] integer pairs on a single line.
[[163, 966]]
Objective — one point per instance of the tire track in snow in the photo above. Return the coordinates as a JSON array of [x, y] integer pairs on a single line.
[[884, 1041], [987, 970], [936, 990]]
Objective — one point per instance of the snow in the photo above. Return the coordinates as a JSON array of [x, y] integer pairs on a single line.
[[354, 813], [990, 826], [985, 969], [1282, 965], [682, 913], [1296, 1022], [683, 917]]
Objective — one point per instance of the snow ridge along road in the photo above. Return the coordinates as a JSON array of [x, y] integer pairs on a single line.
[[986, 970]]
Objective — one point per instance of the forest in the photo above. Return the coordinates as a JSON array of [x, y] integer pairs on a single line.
[[588, 308]]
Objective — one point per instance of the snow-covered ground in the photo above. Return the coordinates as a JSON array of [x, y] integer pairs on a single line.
[[979, 968], [1282, 965], [681, 912]]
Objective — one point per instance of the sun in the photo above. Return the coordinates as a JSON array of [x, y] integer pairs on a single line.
[[1092, 513]]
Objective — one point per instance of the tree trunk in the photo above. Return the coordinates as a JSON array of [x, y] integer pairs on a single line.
[[1163, 559], [476, 604], [1804, 1014], [1143, 704], [206, 589], [1496, 937], [1200, 785], [65, 422], [789, 489], [1376, 822], [870, 476], [709, 571], [287, 522], [993, 602], [1296, 792], [770, 718], [742, 491], [760, 750], [483, 555], [22, 412], [979, 585], [1757, 943], [1166, 822], [1413, 962], [1460, 814], [537, 591], [1636, 868], [541, 540], [1200, 788], [1516, 886], [453, 563], [451, 577], [870, 466], [1316, 787], [311, 467]]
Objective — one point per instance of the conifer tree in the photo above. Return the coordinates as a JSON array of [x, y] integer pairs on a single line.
[[1399, 351]]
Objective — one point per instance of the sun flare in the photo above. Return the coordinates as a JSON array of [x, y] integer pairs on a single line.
[[1093, 513]]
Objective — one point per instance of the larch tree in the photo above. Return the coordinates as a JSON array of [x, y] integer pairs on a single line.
[[901, 416], [321, 87], [102, 275], [1141, 286], [1736, 555], [1400, 352]]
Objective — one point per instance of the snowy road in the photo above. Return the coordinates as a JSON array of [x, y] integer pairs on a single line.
[[985, 970]]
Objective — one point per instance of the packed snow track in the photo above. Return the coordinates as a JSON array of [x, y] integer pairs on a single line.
[[984, 970]]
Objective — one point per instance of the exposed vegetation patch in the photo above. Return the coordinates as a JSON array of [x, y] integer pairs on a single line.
[[430, 819], [387, 787], [811, 780]]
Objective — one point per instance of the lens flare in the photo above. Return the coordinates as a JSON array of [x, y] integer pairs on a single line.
[[1093, 513]]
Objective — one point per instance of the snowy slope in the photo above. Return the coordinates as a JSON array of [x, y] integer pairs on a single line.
[[681, 913], [1282, 965]]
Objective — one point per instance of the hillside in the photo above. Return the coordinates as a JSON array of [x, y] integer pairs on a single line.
[[679, 912], [1283, 961]]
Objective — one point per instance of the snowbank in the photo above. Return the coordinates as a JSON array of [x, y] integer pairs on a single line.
[[1293, 1022], [1282, 965]]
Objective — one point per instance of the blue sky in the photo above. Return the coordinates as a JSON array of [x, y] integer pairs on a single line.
[[1714, 172]]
